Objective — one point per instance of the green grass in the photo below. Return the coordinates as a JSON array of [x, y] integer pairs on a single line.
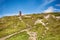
[[39, 28], [51, 36], [11, 24], [20, 36]]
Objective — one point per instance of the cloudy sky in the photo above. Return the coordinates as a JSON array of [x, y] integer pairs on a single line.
[[12, 7]]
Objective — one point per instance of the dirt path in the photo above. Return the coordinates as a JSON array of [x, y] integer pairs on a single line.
[[45, 31], [44, 24], [32, 35], [13, 34], [39, 21], [3, 38]]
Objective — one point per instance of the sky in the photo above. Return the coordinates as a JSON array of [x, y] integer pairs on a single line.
[[12, 7]]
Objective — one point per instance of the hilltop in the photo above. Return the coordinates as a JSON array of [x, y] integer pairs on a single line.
[[44, 26]]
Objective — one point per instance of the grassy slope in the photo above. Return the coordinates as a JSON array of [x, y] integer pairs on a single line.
[[7, 26], [20, 36], [10, 25]]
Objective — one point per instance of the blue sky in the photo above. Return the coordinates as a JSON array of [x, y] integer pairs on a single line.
[[12, 7]]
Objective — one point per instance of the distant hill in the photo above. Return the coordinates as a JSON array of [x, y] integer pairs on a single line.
[[46, 25]]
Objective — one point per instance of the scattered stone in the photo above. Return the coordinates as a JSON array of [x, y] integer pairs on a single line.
[[58, 17], [45, 31], [39, 21], [42, 37], [43, 34], [33, 35], [46, 17], [47, 28], [47, 23], [28, 16], [20, 18]]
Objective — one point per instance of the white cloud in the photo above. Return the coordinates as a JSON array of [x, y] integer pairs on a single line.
[[49, 1], [57, 4], [9, 14], [50, 9], [46, 2]]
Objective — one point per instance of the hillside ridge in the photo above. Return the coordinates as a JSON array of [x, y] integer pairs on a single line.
[[43, 26]]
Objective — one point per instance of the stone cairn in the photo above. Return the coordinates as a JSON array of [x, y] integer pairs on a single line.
[[20, 13]]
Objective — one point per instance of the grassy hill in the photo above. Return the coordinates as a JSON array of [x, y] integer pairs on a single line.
[[46, 26]]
